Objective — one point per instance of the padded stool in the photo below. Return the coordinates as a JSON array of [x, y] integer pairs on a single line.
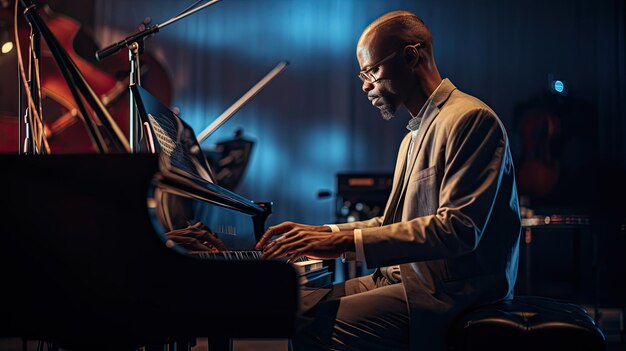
[[526, 323]]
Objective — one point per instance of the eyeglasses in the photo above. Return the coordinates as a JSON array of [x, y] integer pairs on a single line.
[[369, 75]]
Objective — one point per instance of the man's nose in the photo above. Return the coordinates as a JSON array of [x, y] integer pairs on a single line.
[[367, 86]]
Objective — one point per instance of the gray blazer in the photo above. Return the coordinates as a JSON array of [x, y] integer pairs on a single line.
[[452, 221]]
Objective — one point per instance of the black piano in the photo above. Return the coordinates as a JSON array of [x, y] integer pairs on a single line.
[[82, 264], [84, 255]]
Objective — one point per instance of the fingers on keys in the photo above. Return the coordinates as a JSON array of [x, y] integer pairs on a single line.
[[271, 232]]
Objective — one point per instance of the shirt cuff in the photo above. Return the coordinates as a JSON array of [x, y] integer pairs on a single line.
[[333, 227], [358, 245], [359, 255]]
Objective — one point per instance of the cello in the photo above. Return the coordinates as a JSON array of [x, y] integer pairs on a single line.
[[540, 167]]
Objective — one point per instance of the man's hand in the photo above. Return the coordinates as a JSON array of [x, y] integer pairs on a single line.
[[287, 227], [304, 240], [197, 237]]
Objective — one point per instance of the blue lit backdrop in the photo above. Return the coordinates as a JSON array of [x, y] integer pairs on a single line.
[[313, 121]]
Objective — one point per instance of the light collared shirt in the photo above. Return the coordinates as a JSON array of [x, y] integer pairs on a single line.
[[413, 126]]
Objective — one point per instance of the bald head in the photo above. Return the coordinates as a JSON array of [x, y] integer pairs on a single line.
[[396, 29]]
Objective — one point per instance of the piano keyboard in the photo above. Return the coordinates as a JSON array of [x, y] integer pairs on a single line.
[[233, 255]]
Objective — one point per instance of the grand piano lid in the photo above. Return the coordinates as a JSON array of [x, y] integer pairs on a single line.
[[178, 182]]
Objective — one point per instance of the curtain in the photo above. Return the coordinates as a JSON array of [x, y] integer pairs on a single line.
[[314, 121]]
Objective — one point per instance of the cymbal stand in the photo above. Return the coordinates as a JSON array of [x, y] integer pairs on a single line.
[[241, 101]]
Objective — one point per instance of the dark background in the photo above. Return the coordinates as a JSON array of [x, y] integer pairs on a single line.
[[313, 121]]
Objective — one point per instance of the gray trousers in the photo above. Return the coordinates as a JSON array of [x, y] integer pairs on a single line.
[[365, 313]]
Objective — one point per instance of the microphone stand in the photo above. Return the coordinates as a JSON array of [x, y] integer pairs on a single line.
[[134, 129], [134, 44]]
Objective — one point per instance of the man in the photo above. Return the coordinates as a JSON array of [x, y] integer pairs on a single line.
[[449, 237]]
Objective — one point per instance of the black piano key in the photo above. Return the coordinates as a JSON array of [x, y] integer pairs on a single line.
[[233, 255]]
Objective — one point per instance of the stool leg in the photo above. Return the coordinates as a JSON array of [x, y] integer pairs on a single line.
[[622, 328], [219, 344], [528, 238]]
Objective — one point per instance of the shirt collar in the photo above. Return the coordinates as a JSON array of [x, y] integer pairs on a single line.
[[415, 121]]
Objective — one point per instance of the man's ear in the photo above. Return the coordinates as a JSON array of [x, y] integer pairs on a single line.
[[411, 56]]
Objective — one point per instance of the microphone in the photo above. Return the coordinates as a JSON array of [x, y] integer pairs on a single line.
[[324, 194], [115, 47]]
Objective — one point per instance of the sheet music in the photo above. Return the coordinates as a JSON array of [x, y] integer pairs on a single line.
[[177, 147]]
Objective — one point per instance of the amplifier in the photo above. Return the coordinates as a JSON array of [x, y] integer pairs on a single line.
[[361, 196]]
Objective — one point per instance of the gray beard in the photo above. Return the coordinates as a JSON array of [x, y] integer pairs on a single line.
[[387, 112]]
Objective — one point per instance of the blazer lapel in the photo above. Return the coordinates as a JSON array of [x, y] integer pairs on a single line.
[[398, 181], [440, 96]]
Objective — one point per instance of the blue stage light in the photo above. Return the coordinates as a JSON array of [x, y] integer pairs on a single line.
[[558, 86]]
